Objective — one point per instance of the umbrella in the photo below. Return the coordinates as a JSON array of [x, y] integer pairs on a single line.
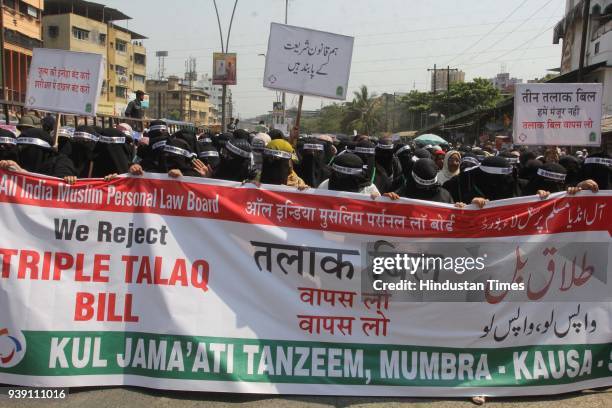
[[430, 138]]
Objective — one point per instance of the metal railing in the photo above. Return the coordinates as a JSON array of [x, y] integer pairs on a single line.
[[13, 110]]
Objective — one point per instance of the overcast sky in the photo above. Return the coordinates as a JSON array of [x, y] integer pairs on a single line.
[[395, 40]]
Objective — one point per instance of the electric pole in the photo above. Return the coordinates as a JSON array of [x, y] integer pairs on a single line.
[[435, 77]]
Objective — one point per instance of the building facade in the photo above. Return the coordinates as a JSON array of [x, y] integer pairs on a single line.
[[21, 22], [173, 99], [440, 79], [505, 83], [89, 27], [598, 50], [216, 97]]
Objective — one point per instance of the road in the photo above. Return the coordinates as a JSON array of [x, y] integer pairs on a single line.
[[145, 398]]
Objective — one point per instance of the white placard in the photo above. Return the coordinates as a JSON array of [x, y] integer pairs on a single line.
[[308, 62], [65, 81], [557, 114]]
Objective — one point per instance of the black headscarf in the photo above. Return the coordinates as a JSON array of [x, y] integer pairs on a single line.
[[388, 167], [276, 134], [572, 167], [37, 155], [178, 155], [236, 161], [366, 151], [423, 183], [312, 166], [529, 169], [209, 156], [151, 154], [275, 169], [493, 179], [598, 167], [348, 174], [82, 145], [549, 177], [221, 139], [112, 157], [8, 145]]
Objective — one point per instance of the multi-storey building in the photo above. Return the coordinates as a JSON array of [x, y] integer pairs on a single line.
[[598, 49], [440, 79], [79, 25], [21, 21], [173, 98]]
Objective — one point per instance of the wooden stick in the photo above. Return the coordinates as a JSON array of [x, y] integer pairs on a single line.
[[58, 124]]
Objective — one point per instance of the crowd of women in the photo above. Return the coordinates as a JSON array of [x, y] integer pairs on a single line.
[[377, 167]]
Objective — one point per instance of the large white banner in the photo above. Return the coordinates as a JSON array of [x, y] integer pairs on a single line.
[[65, 81], [557, 114], [308, 62], [211, 286]]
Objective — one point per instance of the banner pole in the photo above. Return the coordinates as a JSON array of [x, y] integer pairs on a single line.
[[58, 122], [293, 136]]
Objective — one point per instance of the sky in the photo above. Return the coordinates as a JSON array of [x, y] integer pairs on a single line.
[[396, 41]]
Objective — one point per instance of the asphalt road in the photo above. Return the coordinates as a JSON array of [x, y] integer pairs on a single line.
[[140, 397]]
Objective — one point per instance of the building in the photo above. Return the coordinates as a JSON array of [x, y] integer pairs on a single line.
[[440, 79], [216, 97], [21, 21], [173, 99], [78, 25], [504, 83], [598, 50]]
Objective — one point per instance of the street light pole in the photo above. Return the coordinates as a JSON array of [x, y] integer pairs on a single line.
[[284, 96], [224, 49]]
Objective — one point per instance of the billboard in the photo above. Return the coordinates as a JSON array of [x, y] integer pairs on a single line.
[[557, 114], [224, 68], [308, 62]]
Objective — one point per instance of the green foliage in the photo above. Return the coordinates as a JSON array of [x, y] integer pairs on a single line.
[[365, 112]]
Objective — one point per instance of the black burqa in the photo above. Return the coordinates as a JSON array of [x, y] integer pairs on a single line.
[[8, 146], [180, 158], [275, 170], [151, 158], [494, 179], [312, 166], [549, 177], [598, 167], [43, 160], [348, 174], [423, 184], [80, 149], [235, 166], [388, 167], [112, 158]]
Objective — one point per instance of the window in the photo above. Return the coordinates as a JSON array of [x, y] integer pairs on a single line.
[[139, 59], [102, 39], [139, 78], [597, 48], [32, 11], [112, 67], [121, 46], [175, 96], [120, 92], [53, 31], [80, 34], [120, 70]]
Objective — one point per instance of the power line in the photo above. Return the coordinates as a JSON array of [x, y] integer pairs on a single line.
[[517, 27], [493, 29]]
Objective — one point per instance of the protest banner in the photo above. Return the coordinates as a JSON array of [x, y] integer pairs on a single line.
[[557, 114], [64, 81], [308, 62], [207, 285]]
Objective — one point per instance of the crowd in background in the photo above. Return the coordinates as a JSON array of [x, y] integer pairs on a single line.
[[444, 173]]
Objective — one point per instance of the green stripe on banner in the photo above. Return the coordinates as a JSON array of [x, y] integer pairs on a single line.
[[276, 361]]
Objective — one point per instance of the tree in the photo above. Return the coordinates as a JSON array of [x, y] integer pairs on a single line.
[[462, 96], [363, 113]]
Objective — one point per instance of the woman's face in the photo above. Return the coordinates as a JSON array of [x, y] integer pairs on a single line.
[[440, 161], [453, 163]]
